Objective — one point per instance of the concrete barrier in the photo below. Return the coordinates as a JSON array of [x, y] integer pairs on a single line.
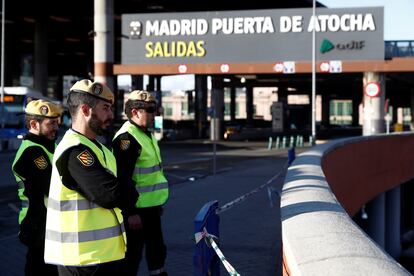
[[323, 187]]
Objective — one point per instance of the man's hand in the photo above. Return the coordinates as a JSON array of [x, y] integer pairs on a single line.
[[134, 222]]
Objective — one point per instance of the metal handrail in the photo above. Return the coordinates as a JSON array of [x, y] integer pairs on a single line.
[[399, 48]]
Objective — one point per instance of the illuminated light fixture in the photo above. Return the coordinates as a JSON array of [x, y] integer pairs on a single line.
[[71, 39], [29, 19], [24, 40], [247, 77], [182, 68], [243, 80], [155, 7], [226, 80], [225, 68], [291, 89], [60, 19]]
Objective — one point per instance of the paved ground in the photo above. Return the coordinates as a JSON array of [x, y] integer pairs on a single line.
[[249, 232]]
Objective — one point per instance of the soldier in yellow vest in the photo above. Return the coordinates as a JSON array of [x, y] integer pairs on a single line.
[[84, 230], [32, 168], [139, 161]]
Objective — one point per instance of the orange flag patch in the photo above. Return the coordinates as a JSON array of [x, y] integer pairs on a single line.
[[124, 145], [41, 162], [86, 158]]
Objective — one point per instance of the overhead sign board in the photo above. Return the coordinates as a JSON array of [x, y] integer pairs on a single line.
[[227, 37]]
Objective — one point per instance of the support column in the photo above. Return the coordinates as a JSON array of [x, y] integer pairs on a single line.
[[393, 222], [374, 106], [41, 55], [151, 83], [325, 110], [201, 105], [158, 90], [104, 42], [356, 101], [412, 109], [374, 124], [158, 83], [217, 104], [249, 105], [190, 100], [282, 96], [232, 104], [376, 220], [137, 82]]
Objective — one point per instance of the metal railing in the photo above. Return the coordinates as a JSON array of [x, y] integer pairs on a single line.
[[399, 48]]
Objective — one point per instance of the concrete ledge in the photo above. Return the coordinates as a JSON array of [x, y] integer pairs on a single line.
[[319, 237]]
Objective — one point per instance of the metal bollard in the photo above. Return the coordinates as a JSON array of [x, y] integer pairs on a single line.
[[269, 146], [297, 144], [291, 142], [277, 142], [283, 142], [310, 141]]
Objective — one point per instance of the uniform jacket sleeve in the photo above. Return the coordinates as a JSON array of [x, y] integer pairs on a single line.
[[34, 166], [127, 150], [92, 181]]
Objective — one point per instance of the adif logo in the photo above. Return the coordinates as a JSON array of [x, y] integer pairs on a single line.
[[135, 29], [326, 46]]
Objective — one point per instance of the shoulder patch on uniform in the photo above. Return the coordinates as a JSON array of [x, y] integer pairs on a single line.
[[86, 158], [41, 162], [124, 145]]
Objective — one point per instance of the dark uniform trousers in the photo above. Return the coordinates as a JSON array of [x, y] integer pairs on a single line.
[[32, 235], [150, 237], [116, 268], [35, 264]]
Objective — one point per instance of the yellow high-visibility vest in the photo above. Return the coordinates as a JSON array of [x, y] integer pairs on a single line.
[[20, 179], [80, 232], [148, 175]]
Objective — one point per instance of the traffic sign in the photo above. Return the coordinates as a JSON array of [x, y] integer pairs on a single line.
[[372, 89], [335, 66], [182, 68], [289, 67], [224, 68], [278, 67], [324, 66]]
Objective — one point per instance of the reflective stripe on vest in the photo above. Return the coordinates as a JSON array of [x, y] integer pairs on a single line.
[[78, 231], [71, 205], [152, 188], [85, 236], [149, 170], [20, 180], [148, 175]]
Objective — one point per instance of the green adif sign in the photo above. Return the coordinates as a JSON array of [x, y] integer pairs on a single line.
[[326, 46]]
